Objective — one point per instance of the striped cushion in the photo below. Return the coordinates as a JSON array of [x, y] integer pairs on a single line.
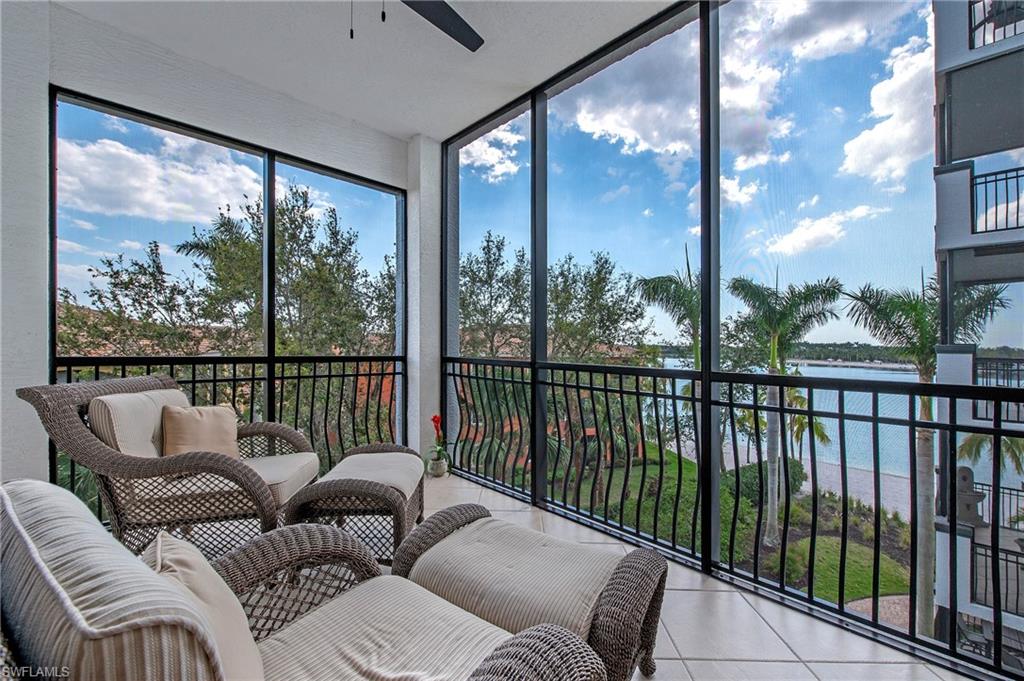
[[130, 422], [400, 470], [515, 577], [73, 597], [384, 629]]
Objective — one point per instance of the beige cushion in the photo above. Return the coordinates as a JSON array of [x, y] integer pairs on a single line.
[[130, 422], [199, 429], [542, 579], [73, 597], [384, 629], [395, 469], [286, 474], [184, 566]]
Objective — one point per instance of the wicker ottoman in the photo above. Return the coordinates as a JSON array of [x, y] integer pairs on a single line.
[[375, 492], [515, 577]]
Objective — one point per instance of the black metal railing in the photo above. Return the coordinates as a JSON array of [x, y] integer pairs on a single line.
[[818, 484], [1011, 563], [997, 204], [1011, 506], [338, 402], [990, 21], [1000, 373]]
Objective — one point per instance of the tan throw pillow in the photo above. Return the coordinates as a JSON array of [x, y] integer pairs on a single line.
[[199, 429], [184, 566]]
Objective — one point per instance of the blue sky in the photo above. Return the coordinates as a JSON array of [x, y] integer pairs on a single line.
[[827, 156], [122, 185]]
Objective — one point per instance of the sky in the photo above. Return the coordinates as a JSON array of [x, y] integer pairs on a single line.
[[826, 157], [122, 185]]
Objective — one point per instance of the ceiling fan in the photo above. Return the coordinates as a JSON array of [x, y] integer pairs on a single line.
[[441, 15]]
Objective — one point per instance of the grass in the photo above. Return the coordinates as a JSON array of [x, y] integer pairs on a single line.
[[893, 577]]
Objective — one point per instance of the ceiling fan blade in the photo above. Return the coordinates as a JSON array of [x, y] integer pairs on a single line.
[[441, 15]]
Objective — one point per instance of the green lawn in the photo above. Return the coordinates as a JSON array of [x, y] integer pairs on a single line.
[[893, 577]]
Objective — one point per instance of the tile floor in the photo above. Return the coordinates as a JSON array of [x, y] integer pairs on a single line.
[[711, 630]]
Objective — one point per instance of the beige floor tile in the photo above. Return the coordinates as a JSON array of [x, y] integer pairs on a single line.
[[530, 518], [946, 674], [664, 649], [558, 526], [813, 639], [737, 670], [682, 577], [442, 498], [859, 671], [667, 670], [496, 501], [719, 625]]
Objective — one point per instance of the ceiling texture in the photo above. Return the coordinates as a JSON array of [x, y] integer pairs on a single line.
[[403, 76]]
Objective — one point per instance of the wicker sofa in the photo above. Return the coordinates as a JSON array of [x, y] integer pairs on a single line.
[[77, 603], [515, 578], [215, 501]]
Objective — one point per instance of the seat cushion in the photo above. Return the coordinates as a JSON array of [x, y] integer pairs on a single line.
[[286, 474], [184, 566], [130, 422], [400, 470], [384, 629], [199, 429], [542, 578], [72, 596]]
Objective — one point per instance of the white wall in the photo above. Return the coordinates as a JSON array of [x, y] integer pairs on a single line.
[[424, 275], [44, 43], [24, 125]]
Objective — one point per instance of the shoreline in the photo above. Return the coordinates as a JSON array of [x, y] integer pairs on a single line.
[[882, 366]]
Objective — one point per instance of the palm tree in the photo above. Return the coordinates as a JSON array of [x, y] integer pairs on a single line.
[[975, 444], [908, 321], [799, 424], [678, 295], [782, 318]]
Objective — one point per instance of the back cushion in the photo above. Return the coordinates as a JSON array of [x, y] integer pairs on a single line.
[[73, 597], [130, 422]]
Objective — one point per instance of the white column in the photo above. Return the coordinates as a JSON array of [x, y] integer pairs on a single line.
[[24, 231], [423, 243]]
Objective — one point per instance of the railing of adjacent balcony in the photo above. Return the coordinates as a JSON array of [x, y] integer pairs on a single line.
[[338, 402], [1011, 506], [999, 372], [997, 204], [623, 456], [1011, 563], [990, 21]]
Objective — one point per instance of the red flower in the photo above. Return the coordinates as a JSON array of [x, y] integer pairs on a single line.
[[436, 420]]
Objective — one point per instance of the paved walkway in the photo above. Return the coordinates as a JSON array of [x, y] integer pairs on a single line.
[[711, 630]]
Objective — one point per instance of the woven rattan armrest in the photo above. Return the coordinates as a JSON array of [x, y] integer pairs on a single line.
[[381, 448], [283, 574], [432, 531], [291, 440], [545, 652]]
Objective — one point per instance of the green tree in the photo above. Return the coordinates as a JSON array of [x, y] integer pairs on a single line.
[[494, 300], [908, 321], [779, 319], [593, 312], [678, 295]]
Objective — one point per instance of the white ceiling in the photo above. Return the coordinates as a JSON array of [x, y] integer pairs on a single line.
[[401, 77]]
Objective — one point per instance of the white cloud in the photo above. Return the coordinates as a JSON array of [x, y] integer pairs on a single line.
[[84, 224], [114, 124], [557, 168], [809, 203], [495, 153], [752, 233], [732, 191], [747, 162], [79, 274], [839, 112], [131, 245], [613, 194], [811, 233], [647, 213], [649, 102], [695, 230], [902, 105], [167, 251], [184, 180], [67, 246]]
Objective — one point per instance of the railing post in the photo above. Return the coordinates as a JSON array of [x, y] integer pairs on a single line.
[[269, 282], [539, 296], [710, 445]]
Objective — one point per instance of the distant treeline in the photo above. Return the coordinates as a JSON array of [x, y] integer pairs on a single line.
[[846, 352]]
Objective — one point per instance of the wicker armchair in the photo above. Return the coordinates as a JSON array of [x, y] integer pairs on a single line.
[[214, 501], [316, 604], [373, 510], [621, 627]]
